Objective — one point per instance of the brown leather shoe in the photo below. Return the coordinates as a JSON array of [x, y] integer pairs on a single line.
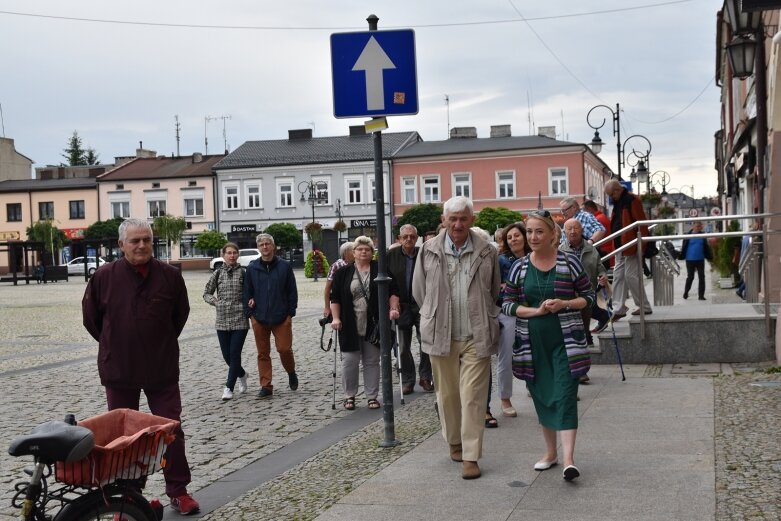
[[426, 385], [408, 389], [471, 470], [456, 453]]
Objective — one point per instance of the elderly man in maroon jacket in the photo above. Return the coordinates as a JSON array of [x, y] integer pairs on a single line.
[[136, 307]]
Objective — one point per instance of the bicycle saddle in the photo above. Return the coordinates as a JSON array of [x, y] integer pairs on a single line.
[[54, 441]]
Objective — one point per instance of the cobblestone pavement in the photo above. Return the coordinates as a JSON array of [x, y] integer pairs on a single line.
[[47, 369]]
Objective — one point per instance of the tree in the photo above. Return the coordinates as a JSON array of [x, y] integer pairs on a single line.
[[77, 155], [424, 217], [104, 229], [211, 241], [45, 232], [286, 236], [170, 229], [489, 219]]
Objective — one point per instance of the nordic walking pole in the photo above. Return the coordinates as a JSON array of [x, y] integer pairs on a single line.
[[398, 362], [336, 348], [609, 304]]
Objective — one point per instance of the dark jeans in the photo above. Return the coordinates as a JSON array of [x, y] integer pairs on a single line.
[[165, 402], [700, 267], [407, 361], [231, 344]]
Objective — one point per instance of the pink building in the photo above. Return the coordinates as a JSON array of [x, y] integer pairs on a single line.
[[515, 172]]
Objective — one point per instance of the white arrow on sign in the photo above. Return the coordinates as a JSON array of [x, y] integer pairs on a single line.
[[373, 61]]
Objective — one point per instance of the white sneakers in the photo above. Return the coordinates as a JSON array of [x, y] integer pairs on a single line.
[[242, 383], [227, 394]]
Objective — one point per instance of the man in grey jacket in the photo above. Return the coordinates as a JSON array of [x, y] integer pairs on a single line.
[[456, 283]]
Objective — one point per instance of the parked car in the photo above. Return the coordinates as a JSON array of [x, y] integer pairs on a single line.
[[246, 256], [76, 266]]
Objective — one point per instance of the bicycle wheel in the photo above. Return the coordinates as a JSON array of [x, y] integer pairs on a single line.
[[115, 510]]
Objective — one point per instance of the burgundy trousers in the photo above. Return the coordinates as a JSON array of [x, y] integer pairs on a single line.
[[165, 402]]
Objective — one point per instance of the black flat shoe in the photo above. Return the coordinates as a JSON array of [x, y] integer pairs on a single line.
[[571, 473]]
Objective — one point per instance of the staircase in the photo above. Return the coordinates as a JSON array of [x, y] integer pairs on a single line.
[[721, 329]]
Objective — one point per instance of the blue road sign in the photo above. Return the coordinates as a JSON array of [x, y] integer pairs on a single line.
[[374, 73]]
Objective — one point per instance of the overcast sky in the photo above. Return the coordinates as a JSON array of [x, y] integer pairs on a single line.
[[267, 66]]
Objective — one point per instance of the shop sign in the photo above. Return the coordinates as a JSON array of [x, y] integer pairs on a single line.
[[363, 223], [243, 228], [9, 236], [74, 233]]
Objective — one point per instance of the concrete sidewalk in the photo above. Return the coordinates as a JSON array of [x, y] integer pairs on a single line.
[[645, 450]]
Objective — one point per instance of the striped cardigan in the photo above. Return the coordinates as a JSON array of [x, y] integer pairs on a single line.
[[571, 282]]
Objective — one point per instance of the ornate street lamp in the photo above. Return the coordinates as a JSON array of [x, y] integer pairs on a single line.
[[313, 192], [596, 142], [742, 54]]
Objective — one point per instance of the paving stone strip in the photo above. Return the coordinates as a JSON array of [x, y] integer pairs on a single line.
[[747, 447], [307, 490]]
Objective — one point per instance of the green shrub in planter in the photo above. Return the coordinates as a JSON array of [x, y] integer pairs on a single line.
[[726, 253], [322, 264]]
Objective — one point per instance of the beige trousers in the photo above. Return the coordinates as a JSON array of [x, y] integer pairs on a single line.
[[461, 382]]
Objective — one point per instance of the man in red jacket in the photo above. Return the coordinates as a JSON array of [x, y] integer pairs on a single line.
[[627, 273], [136, 307]]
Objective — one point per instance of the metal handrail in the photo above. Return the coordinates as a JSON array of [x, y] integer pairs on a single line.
[[637, 224]]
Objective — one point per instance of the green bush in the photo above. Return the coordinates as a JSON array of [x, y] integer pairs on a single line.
[[309, 264], [726, 253]]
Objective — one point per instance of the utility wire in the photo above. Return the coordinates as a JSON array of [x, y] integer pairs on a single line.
[[684, 109], [324, 28]]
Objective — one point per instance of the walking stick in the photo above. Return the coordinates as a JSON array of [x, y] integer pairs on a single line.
[[398, 362], [336, 348], [609, 304]]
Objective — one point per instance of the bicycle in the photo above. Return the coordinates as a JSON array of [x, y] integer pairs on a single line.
[[101, 466]]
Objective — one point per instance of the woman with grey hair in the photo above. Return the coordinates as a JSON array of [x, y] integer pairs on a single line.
[[355, 311], [345, 257]]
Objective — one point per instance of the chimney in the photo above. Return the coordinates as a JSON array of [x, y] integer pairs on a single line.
[[197, 157], [299, 134], [463, 132], [500, 131], [357, 130], [547, 132]]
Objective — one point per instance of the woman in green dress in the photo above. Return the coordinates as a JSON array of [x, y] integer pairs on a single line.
[[546, 290]]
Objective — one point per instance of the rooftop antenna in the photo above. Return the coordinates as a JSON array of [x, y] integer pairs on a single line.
[[178, 127], [312, 123], [224, 134], [206, 120], [2, 122], [529, 112], [562, 123], [447, 104]]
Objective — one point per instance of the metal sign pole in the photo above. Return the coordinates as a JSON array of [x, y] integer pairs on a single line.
[[383, 289]]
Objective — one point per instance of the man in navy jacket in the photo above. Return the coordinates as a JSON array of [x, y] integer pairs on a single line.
[[270, 300]]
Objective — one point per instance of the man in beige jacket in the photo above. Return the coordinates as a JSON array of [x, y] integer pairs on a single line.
[[456, 283]]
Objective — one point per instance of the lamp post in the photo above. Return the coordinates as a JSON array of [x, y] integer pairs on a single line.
[[690, 187], [339, 220], [596, 142], [313, 192]]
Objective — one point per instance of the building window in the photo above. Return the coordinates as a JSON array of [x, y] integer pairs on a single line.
[[354, 189], [156, 208], [188, 250], [373, 188], [155, 185], [557, 178], [13, 212], [462, 185], [430, 189], [192, 183], [253, 196], [505, 185], [323, 190], [285, 194], [409, 192], [193, 207], [231, 197], [120, 209], [76, 209], [46, 210]]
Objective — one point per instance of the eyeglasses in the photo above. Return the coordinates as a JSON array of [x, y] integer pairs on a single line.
[[545, 214], [568, 208], [408, 237]]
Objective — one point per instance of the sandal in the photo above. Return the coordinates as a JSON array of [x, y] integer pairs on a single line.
[[349, 403], [374, 404], [490, 421]]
